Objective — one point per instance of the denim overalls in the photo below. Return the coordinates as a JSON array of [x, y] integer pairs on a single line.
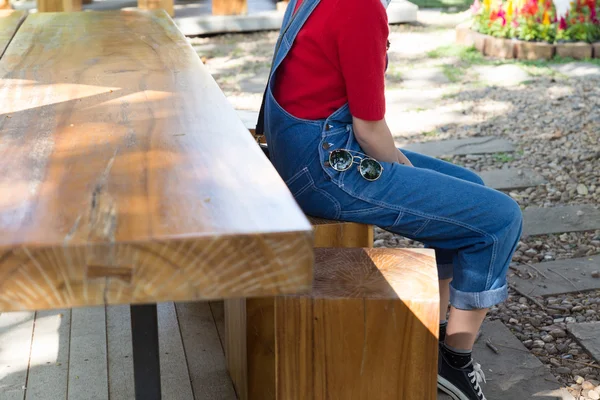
[[474, 229]]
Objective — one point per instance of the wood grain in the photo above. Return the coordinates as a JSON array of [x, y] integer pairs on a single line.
[[250, 323], [367, 331], [127, 176], [71, 5], [341, 234], [10, 21], [229, 7]]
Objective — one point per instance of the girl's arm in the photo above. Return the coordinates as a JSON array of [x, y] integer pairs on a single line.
[[376, 140]]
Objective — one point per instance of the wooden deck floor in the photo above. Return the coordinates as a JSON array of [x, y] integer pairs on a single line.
[[85, 354]]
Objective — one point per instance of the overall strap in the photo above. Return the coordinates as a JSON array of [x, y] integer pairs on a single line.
[[291, 21]]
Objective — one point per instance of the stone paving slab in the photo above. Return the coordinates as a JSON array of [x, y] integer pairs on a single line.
[[424, 77], [413, 99], [514, 373], [577, 69], [588, 335], [511, 178], [410, 123], [542, 221], [401, 11], [561, 276], [476, 145], [256, 83], [502, 75], [249, 118]]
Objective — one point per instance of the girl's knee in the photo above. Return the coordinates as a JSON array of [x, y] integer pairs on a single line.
[[511, 218], [473, 177]]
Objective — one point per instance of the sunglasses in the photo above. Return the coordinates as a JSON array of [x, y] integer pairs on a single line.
[[341, 160]]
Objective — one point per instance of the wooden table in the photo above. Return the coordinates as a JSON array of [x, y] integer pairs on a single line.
[[127, 178]]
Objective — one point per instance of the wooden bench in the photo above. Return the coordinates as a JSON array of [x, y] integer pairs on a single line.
[[368, 330], [114, 189]]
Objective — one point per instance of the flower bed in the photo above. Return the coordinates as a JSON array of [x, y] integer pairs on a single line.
[[534, 29]]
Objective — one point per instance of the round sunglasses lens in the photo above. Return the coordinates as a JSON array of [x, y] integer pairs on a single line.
[[370, 169], [340, 160]]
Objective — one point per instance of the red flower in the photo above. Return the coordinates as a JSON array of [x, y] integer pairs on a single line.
[[502, 14], [563, 24], [530, 8], [592, 7]]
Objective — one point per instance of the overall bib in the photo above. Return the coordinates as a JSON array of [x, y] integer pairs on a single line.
[[474, 229]]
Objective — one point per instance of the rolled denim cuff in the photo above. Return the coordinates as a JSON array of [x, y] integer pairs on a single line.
[[477, 300], [445, 271]]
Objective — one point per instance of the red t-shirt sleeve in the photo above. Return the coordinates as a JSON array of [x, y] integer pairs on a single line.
[[361, 30]]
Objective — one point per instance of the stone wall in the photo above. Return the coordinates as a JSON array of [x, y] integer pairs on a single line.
[[522, 50]]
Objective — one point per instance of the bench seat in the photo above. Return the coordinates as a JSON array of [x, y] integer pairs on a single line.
[[367, 330]]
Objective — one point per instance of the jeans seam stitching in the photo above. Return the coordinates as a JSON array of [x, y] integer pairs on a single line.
[[286, 113], [492, 261], [398, 218], [422, 227], [407, 211], [364, 210], [335, 202], [297, 175], [303, 189]]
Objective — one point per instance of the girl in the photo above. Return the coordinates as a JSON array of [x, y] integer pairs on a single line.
[[323, 117]]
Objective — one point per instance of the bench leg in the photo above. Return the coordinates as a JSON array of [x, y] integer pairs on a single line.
[[58, 5], [167, 5], [356, 348], [229, 7], [72, 5], [146, 359], [250, 323]]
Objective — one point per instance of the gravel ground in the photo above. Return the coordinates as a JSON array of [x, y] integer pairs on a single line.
[[555, 124], [543, 331]]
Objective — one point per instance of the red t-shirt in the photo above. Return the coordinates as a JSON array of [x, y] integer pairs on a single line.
[[338, 56]]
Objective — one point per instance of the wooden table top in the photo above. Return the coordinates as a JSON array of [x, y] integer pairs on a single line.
[[127, 177]]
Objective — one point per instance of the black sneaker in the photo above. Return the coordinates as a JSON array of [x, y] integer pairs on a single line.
[[460, 383]]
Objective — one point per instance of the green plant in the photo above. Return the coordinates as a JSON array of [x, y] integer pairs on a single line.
[[466, 54], [503, 157], [452, 72], [537, 20]]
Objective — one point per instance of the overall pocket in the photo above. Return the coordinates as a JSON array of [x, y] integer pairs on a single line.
[[314, 201]]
